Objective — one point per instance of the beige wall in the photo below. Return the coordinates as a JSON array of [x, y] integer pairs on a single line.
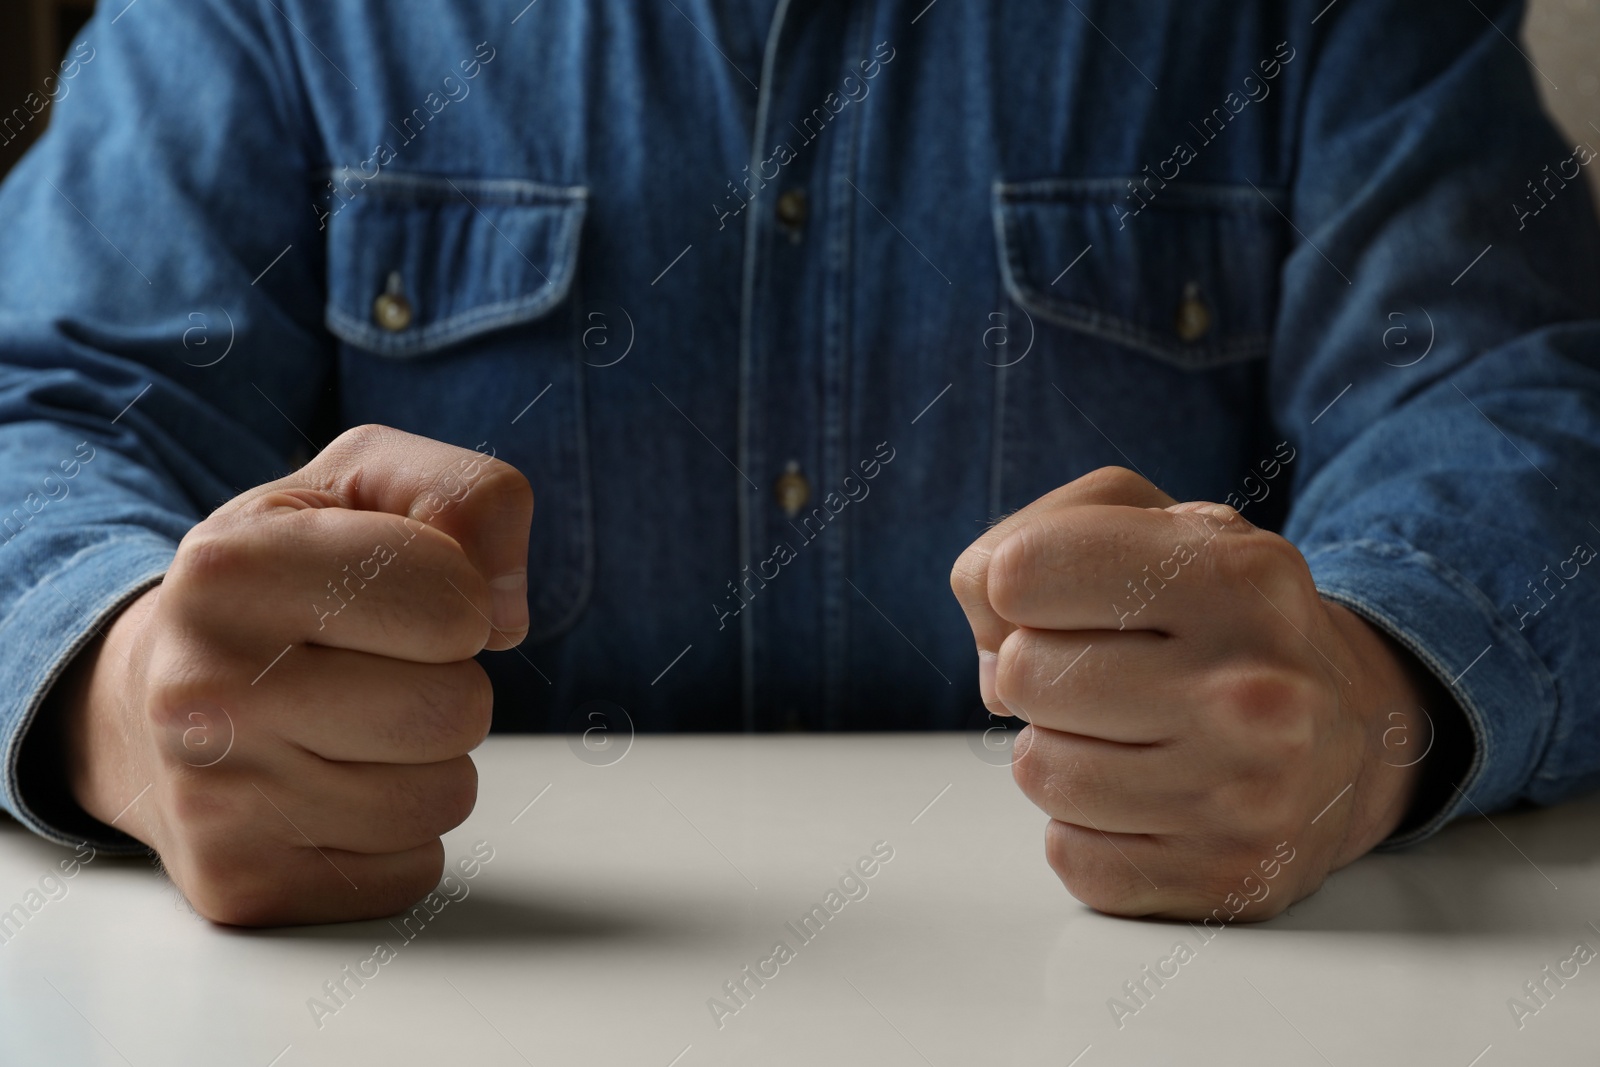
[[1563, 40]]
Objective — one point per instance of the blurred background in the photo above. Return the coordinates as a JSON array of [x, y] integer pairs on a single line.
[[33, 37], [1560, 37]]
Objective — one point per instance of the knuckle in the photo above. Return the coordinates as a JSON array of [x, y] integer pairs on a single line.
[[1014, 669], [360, 439], [476, 714], [508, 483], [444, 797], [969, 578], [418, 877], [1010, 568], [1250, 551], [440, 604], [1256, 805], [1109, 482], [1063, 791], [207, 560], [1279, 552], [1215, 894], [1272, 809], [1259, 700], [1272, 713], [1091, 871], [1034, 775], [1231, 558], [177, 701], [338, 467], [460, 791], [1277, 556], [457, 705], [167, 708], [460, 474], [236, 906], [465, 618], [226, 887], [1293, 744], [196, 809]]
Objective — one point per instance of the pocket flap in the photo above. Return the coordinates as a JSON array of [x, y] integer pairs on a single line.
[[418, 262], [1190, 278]]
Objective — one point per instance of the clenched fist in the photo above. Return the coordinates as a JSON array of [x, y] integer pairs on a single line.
[[286, 717], [1198, 715]]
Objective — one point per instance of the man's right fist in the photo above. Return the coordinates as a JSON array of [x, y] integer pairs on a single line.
[[286, 718]]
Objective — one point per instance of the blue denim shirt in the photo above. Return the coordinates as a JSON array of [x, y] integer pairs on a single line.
[[917, 262]]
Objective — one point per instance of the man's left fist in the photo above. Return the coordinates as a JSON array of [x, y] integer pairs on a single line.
[[1207, 734]]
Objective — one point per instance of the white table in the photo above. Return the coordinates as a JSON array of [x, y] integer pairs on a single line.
[[621, 901]]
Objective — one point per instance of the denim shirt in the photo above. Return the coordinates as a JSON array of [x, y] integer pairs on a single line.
[[775, 322]]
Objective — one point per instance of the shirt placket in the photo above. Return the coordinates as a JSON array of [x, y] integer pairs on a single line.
[[793, 396]]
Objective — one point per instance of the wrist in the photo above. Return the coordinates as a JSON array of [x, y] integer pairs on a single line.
[[88, 703], [1389, 699]]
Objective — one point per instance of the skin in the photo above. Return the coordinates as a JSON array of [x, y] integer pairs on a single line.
[[357, 737], [295, 765], [1219, 721]]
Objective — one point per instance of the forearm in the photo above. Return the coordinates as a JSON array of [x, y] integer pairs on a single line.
[[1441, 525], [149, 369], [1441, 482]]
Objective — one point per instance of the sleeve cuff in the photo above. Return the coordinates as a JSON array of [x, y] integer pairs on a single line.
[[1506, 694], [45, 630]]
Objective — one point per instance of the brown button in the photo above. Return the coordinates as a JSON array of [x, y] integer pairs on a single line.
[[792, 208], [392, 311], [791, 489], [1194, 318]]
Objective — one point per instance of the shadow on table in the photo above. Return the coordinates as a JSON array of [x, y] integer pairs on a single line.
[[1528, 871], [486, 917]]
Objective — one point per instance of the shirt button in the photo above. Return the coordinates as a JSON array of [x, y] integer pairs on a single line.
[[392, 311], [792, 489], [1194, 318], [792, 208]]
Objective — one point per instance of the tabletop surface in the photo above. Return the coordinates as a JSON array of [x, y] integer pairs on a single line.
[[618, 889]]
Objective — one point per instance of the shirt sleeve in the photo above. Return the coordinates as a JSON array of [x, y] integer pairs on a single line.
[[1437, 364], [160, 332]]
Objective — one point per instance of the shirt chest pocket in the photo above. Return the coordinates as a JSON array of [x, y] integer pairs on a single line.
[[449, 298], [1185, 274]]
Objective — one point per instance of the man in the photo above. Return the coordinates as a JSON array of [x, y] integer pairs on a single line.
[[777, 308]]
